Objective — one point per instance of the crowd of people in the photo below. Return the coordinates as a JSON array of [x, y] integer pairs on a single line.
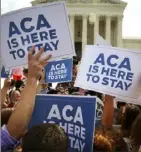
[[113, 134]]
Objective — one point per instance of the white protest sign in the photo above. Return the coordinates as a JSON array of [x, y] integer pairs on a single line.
[[133, 101], [42, 26], [101, 41], [110, 70]]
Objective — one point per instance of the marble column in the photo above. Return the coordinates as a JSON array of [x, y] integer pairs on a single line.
[[72, 19], [96, 28], [108, 29], [119, 31], [84, 31]]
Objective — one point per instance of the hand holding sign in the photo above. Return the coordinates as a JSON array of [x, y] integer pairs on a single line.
[[35, 65]]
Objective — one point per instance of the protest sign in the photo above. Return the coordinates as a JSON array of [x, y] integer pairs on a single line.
[[4, 73], [132, 101], [59, 71], [39, 27], [75, 114], [101, 41], [99, 112], [111, 71]]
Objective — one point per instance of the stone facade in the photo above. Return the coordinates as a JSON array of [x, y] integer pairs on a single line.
[[89, 17], [130, 43]]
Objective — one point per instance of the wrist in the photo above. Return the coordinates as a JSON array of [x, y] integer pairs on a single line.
[[32, 80]]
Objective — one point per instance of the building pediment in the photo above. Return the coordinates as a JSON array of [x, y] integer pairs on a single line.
[[82, 1], [111, 1]]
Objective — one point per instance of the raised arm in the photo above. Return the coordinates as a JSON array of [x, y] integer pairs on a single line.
[[20, 118], [108, 113]]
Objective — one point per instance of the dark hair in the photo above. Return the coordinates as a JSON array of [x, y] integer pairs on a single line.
[[93, 93], [131, 112], [120, 145], [18, 84], [136, 133], [73, 89], [45, 138], [17, 89], [10, 93], [120, 104], [5, 115], [25, 71], [52, 91], [76, 60], [12, 83]]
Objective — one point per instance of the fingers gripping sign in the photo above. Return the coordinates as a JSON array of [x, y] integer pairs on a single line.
[[35, 64]]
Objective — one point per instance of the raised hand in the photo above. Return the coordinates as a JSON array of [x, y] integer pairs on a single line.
[[35, 64]]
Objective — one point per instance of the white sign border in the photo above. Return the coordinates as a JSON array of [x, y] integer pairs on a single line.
[[34, 7], [102, 91]]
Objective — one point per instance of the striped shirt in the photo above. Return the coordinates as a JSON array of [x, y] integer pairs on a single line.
[[8, 143]]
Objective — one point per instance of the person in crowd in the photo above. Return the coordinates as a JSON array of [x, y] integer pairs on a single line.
[[12, 85], [129, 115], [52, 91], [73, 90], [106, 128], [45, 137], [25, 73], [19, 85], [4, 91], [119, 145], [136, 131], [14, 97], [5, 115], [19, 120], [42, 87], [101, 144]]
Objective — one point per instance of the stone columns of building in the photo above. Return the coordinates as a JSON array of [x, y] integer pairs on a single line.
[[96, 28], [72, 22], [84, 31], [119, 31], [108, 28]]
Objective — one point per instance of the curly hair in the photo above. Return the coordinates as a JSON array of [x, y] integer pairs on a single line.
[[101, 144]]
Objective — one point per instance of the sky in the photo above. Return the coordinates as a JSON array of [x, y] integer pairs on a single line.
[[131, 20]]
